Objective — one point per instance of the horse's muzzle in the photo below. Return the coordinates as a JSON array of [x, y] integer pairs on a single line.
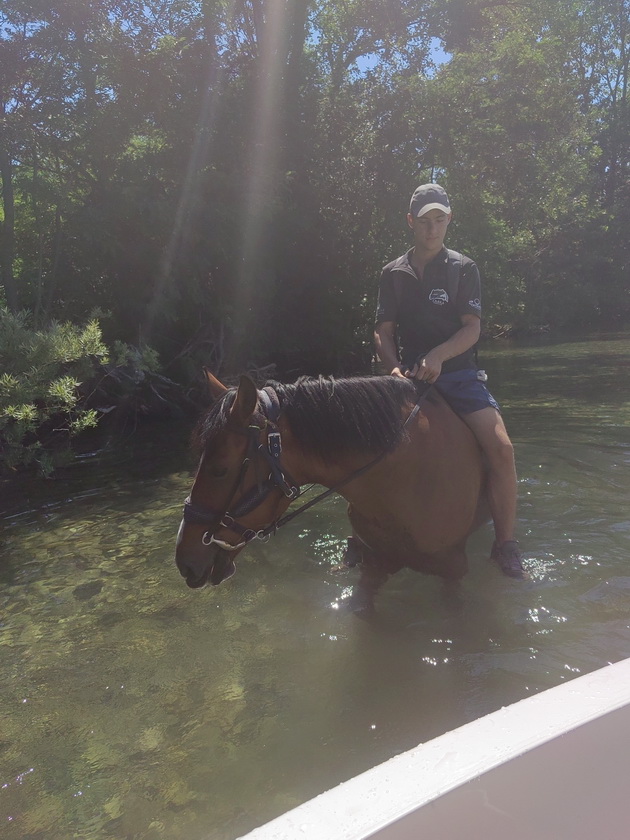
[[219, 567]]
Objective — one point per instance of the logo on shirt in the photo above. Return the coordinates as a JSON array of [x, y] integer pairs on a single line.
[[438, 296], [476, 303]]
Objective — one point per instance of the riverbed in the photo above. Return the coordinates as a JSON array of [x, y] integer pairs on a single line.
[[132, 707]]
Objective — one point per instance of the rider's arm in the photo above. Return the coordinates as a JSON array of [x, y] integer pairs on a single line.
[[430, 367], [386, 349]]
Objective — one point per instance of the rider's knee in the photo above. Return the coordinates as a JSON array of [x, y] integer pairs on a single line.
[[500, 450]]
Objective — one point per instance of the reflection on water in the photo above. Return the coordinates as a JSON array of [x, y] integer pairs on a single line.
[[131, 707]]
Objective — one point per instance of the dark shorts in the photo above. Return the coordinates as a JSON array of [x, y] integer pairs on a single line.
[[464, 392]]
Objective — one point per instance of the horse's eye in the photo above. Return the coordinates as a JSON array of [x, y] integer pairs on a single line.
[[218, 472]]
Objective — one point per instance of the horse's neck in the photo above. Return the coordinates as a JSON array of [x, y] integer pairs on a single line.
[[307, 468]]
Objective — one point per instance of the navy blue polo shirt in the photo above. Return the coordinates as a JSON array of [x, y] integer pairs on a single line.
[[426, 312]]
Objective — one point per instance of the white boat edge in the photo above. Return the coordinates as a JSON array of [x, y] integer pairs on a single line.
[[400, 797]]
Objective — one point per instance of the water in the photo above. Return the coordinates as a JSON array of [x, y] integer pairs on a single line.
[[132, 707]]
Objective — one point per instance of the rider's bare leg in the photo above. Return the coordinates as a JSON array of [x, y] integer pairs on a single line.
[[489, 429]]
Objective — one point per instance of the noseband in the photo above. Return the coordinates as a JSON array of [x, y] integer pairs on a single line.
[[271, 450]]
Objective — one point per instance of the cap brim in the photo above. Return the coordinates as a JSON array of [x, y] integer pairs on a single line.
[[428, 207]]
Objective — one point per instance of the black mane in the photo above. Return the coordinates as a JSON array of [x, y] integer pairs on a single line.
[[330, 417]]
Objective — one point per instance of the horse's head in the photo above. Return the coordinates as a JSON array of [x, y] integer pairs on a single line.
[[240, 489]]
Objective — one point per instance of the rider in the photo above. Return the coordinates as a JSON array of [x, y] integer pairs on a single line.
[[437, 338]]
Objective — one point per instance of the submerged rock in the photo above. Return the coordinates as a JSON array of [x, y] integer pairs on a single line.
[[85, 591]]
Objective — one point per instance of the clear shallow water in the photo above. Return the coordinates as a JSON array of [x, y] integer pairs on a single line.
[[131, 707]]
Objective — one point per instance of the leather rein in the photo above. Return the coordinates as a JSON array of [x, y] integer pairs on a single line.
[[271, 450]]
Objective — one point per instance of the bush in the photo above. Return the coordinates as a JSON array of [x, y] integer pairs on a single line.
[[41, 371]]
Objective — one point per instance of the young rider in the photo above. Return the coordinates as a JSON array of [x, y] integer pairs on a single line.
[[437, 326]]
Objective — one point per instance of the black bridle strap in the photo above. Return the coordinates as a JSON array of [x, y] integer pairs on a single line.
[[271, 403], [206, 516], [273, 450], [196, 515]]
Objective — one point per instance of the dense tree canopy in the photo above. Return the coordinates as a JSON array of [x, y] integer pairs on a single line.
[[224, 180]]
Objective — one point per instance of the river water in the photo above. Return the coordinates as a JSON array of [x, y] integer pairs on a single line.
[[132, 707]]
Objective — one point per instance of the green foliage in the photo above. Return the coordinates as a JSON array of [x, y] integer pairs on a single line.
[[40, 402], [141, 359], [227, 181]]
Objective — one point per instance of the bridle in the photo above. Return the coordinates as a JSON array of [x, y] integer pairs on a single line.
[[271, 450]]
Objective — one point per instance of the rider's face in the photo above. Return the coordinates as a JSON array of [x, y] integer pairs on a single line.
[[429, 230]]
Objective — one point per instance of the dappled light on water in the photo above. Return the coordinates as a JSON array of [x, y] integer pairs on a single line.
[[134, 707]]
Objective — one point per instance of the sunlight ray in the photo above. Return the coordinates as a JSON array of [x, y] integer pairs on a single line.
[[266, 142], [214, 85]]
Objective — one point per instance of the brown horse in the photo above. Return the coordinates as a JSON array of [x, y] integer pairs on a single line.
[[410, 469]]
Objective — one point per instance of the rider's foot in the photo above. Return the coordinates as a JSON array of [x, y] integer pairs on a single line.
[[351, 557], [509, 558]]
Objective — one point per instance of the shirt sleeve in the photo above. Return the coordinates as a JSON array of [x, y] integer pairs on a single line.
[[387, 305], [469, 292]]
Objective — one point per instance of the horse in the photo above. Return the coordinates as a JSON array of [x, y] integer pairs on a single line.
[[410, 469]]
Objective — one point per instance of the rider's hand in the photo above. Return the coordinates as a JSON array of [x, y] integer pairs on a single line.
[[398, 372], [426, 369]]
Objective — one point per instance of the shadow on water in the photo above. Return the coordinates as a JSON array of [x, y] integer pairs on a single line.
[[102, 467], [131, 707]]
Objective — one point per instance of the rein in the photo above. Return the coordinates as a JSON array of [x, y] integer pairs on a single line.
[[196, 514]]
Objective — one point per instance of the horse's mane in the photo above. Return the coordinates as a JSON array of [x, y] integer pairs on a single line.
[[330, 417]]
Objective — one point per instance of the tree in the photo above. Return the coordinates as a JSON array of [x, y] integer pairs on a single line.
[[225, 180]]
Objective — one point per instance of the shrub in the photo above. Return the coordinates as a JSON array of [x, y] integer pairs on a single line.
[[40, 373]]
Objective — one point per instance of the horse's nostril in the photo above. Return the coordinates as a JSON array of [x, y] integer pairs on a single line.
[[222, 569], [196, 584]]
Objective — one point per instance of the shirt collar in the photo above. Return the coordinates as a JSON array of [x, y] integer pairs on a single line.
[[440, 257], [404, 262]]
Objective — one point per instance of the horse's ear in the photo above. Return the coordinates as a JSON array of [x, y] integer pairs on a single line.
[[217, 389], [245, 402]]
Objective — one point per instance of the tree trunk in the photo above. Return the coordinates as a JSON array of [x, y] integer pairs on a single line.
[[7, 231], [294, 128]]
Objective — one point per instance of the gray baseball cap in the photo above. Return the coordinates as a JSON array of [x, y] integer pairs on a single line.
[[429, 197]]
